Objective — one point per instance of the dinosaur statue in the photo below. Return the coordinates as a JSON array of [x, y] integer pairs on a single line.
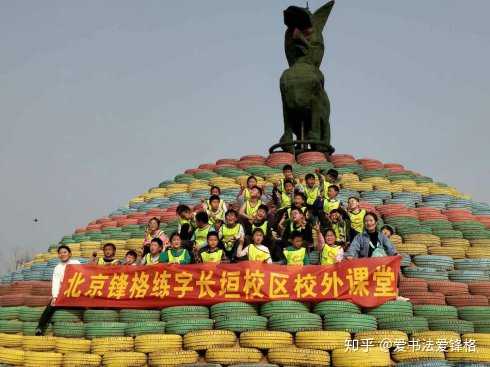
[[306, 107]]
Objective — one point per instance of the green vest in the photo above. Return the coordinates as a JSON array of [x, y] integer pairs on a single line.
[[176, 259], [329, 205], [295, 257], [149, 260], [252, 210], [263, 227], [256, 254], [357, 221], [285, 200], [212, 257], [201, 235], [229, 235], [311, 194], [100, 261]]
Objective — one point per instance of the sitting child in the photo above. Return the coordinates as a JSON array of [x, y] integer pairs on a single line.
[[261, 222], [330, 252], [295, 253], [299, 202], [153, 257], [356, 215], [214, 191], [231, 234], [312, 190], [175, 254], [255, 251], [202, 229], [245, 192], [331, 202], [250, 207], [131, 258], [186, 227], [109, 257], [215, 211], [211, 253]]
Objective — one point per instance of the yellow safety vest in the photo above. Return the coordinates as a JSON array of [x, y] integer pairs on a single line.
[[285, 200], [201, 235], [214, 216], [329, 205], [263, 227], [176, 259], [329, 254], [212, 257], [149, 260], [229, 235], [311, 194], [246, 194], [220, 207], [357, 220], [295, 257], [256, 254], [100, 261], [340, 231], [252, 210]]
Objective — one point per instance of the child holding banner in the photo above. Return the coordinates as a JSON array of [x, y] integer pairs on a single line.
[[295, 253]]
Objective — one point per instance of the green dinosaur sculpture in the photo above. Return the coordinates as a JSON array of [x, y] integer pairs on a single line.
[[306, 107]]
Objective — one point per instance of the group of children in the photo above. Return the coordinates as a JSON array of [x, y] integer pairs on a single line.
[[280, 228]]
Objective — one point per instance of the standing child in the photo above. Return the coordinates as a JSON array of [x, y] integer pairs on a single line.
[[231, 234], [211, 253], [175, 254], [330, 252], [64, 255], [186, 227], [356, 215], [109, 257], [256, 251], [331, 201], [295, 253], [153, 257]]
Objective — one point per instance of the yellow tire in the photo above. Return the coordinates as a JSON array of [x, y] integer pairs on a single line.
[[407, 354], [73, 345], [481, 354], [382, 338], [292, 356], [11, 356], [372, 357], [322, 340], [43, 359], [154, 342], [265, 339], [206, 339], [171, 359], [124, 359], [102, 346], [233, 355], [81, 360], [39, 343], [10, 340], [481, 339]]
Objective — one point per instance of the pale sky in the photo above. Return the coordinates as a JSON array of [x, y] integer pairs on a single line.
[[101, 100]]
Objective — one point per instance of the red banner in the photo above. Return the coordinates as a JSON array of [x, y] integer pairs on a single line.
[[366, 282]]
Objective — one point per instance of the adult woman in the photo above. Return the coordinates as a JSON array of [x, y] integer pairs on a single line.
[[371, 242], [153, 231]]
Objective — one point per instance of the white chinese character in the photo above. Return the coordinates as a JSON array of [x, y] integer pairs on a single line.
[[399, 345], [351, 345], [455, 345], [441, 345], [469, 345], [367, 343], [414, 345]]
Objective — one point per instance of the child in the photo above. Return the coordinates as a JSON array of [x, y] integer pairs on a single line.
[[250, 207], [175, 254], [261, 222], [153, 231], [211, 253], [186, 227], [331, 202], [387, 231], [299, 201], [311, 190], [332, 176], [231, 234], [356, 215], [245, 193], [130, 258], [215, 211], [109, 257], [295, 253], [340, 224], [330, 252], [215, 191], [287, 171], [256, 251], [153, 257], [202, 229], [283, 198], [297, 222], [64, 255]]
